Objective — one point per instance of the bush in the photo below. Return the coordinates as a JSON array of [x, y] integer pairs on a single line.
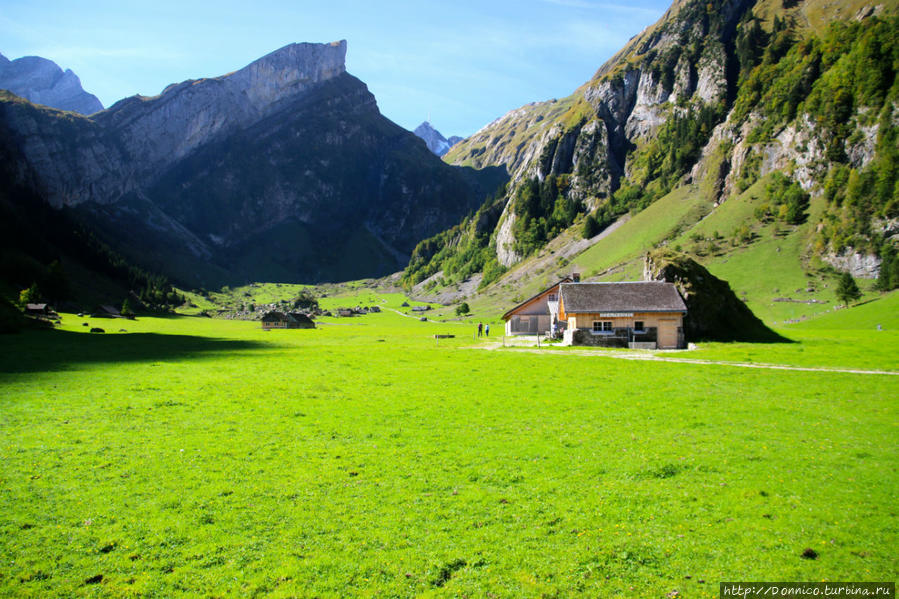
[[462, 309]]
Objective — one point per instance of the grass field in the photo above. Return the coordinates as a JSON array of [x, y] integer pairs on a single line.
[[201, 457]]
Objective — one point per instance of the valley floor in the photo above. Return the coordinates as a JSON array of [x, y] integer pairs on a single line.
[[199, 457]]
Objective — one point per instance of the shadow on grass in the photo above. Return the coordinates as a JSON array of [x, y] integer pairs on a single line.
[[47, 351]]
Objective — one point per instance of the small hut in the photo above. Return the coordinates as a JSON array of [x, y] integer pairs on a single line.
[[280, 320]]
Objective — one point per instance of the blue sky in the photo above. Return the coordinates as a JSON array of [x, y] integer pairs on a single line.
[[462, 62]]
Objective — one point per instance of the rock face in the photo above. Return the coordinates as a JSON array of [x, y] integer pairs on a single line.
[[283, 170], [588, 137], [43, 82], [714, 312], [434, 139]]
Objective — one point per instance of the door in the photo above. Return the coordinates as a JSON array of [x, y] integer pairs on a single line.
[[667, 333]]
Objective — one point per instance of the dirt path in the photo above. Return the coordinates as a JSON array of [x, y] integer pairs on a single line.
[[655, 358]]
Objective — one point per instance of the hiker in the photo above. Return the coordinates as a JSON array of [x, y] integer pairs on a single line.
[[480, 329], [487, 331]]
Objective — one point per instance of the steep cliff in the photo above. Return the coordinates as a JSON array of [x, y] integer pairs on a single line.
[[283, 170], [43, 82], [717, 95]]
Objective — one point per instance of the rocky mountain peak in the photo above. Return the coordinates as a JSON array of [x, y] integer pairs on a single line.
[[43, 82], [435, 140], [288, 70]]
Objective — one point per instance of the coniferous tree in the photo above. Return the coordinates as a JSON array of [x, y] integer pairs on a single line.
[[847, 290]]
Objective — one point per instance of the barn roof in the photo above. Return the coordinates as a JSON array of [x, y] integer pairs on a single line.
[[274, 316], [632, 296]]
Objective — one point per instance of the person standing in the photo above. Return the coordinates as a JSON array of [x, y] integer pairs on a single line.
[[480, 329], [487, 330]]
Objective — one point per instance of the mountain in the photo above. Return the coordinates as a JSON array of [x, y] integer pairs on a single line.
[[284, 170], [434, 139], [43, 82], [771, 118]]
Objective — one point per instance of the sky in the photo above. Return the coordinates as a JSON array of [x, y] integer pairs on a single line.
[[458, 63]]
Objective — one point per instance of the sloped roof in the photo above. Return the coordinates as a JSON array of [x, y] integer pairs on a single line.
[[631, 296], [274, 316], [509, 314]]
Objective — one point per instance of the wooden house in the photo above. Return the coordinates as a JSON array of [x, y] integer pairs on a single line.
[[635, 314], [536, 315], [279, 320]]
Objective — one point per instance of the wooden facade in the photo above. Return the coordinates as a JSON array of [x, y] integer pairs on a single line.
[[536, 315], [644, 315]]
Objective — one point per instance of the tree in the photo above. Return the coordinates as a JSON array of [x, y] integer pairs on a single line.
[[127, 310], [591, 227], [847, 290], [462, 309], [32, 295]]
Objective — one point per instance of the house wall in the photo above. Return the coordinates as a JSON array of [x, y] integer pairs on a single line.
[[539, 305], [534, 317], [669, 325], [534, 324]]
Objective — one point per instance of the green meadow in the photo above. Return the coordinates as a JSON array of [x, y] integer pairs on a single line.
[[192, 456]]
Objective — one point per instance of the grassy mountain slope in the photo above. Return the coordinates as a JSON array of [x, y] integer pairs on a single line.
[[776, 181]]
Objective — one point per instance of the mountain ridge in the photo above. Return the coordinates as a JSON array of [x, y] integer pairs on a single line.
[[42, 81], [326, 166]]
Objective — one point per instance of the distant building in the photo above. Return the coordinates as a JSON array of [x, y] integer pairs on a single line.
[[636, 314], [280, 320], [38, 310]]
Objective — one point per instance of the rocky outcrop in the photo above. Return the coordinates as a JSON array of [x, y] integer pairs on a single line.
[[714, 312], [283, 170], [858, 264], [42, 81]]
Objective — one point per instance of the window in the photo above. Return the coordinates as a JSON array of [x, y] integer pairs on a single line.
[[638, 325], [552, 297], [602, 326]]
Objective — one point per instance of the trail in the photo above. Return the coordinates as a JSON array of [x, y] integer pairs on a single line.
[[653, 358]]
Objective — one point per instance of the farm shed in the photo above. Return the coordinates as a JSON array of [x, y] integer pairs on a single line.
[[635, 314], [37, 309], [279, 320], [535, 315]]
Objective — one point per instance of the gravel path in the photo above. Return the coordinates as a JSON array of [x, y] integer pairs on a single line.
[[657, 358]]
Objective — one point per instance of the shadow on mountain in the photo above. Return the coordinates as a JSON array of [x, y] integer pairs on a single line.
[[53, 350], [714, 312]]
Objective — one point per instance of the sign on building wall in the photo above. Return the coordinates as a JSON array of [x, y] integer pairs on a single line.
[[616, 314]]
